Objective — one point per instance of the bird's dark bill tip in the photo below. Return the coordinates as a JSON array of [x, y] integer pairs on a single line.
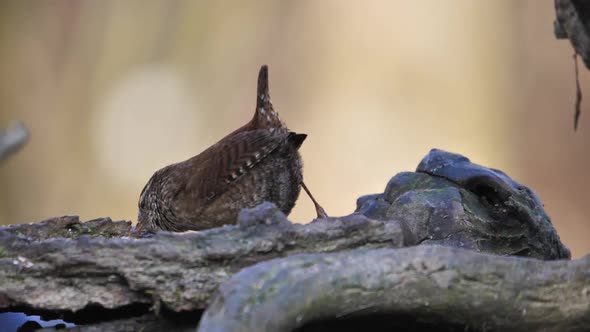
[[297, 139]]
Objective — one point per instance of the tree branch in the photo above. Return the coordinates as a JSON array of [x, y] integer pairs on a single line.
[[179, 271], [443, 285]]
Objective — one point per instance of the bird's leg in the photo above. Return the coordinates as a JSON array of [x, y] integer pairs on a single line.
[[319, 210]]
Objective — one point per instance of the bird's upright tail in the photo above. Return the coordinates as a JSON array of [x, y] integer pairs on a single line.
[[265, 116]]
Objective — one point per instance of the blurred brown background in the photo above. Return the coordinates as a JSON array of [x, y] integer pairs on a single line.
[[113, 90]]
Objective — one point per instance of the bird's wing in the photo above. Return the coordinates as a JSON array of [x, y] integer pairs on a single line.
[[185, 189], [218, 168]]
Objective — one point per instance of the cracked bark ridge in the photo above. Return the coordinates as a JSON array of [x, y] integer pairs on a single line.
[[453, 202], [437, 285], [70, 227], [178, 272], [573, 22]]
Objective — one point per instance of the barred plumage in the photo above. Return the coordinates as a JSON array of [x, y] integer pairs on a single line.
[[257, 162]]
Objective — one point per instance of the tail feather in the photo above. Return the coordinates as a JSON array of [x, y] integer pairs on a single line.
[[263, 97], [265, 116]]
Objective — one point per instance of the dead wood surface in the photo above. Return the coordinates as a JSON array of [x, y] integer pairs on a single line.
[[446, 286], [93, 273]]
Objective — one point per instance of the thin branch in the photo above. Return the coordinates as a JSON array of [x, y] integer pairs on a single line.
[[578, 93]]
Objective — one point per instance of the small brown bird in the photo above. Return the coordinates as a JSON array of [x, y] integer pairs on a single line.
[[257, 162]]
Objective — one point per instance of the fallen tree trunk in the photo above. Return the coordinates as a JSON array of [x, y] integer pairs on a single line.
[[179, 271], [443, 286], [93, 272]]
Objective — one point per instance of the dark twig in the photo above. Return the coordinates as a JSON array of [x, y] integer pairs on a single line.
[[318, 208], [578, 93]]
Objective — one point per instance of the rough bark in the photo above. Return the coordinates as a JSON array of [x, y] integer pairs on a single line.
[[446, 286], [70, 227], [91, 272], [454, 202], [179, 271]]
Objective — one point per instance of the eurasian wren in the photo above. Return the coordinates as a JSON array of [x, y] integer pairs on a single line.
[[257, 162]]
